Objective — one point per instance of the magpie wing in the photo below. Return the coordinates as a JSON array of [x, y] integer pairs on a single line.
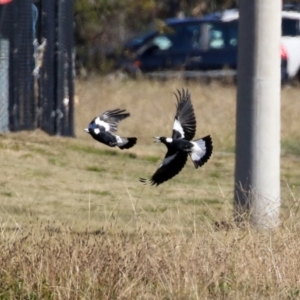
[[170, 166], [110, 119], [184, 125]]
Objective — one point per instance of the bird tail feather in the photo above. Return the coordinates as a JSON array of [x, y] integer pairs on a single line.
[[201, 151], [126, 142]]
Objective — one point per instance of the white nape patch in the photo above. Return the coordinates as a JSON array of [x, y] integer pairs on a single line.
[[169, 140], [96, 130], [99, 122], [198, 150], [177, 126]]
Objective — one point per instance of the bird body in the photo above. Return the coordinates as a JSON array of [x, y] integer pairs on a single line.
[[101, 128], [176, 144], [180, 145]]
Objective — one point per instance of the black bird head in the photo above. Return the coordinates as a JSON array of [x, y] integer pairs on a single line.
[[93, 129]]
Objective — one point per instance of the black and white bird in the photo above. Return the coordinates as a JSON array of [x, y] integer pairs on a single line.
[[101, 129], [180, 145]]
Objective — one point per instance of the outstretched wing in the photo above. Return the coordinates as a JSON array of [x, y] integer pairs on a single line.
[[170, 166], [110, 119], [184, 125]]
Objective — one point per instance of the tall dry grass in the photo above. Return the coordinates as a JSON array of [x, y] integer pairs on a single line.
[[76, 224], [195, 263]]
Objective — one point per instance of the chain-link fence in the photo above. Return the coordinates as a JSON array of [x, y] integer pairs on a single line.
[[17, 95], [36, 66]]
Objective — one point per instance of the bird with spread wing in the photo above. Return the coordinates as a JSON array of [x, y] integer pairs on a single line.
[[101, 129], [180, 145]]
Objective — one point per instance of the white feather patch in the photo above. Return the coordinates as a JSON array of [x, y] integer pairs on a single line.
[[119, 139], [99, 122], [198, 150], [177, 126], [169, 140], [96, 130]]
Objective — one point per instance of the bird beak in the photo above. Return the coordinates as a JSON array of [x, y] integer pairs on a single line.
[[86, 130], [157, 140]]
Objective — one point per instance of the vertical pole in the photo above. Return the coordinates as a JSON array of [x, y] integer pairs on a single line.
[[257, 166], [71, 69], [59, 69], [4, 84]]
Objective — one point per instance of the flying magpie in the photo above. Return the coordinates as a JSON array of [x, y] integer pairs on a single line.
[[101, 127], [180, 145]]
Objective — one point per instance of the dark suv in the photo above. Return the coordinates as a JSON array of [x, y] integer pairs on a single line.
[[185, 44], [202, 46]]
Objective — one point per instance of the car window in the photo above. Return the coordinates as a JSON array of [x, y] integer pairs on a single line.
[[216, 36], [219, 35], [162, 42], [181, 37], [290, 27], [200, 35]]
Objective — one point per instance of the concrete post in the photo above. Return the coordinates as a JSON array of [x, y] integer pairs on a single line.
[[4, 84], [257, 168]]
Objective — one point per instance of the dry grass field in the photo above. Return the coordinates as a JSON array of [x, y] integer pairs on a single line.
[[77, 224]]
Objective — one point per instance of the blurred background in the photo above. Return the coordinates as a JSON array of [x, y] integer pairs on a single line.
[[102, 27], [45, 46]]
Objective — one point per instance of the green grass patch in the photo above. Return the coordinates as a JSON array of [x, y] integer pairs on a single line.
[[153, 159], [95, 169], [290, 146], [6, 194], [215, 174], [131, 155]]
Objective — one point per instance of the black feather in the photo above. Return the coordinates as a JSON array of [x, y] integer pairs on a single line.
[[185, 115]]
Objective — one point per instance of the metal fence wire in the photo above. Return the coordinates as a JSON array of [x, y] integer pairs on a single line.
[[36, 66]]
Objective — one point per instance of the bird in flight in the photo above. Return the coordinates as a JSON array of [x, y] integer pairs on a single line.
[[180, 145], [101, 129]]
